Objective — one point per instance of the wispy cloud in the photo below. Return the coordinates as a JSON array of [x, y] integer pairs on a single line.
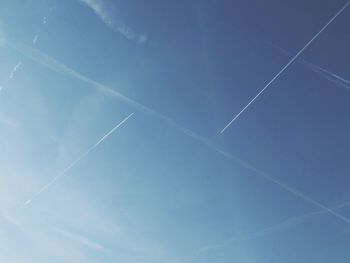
[[57, 66], [142, 38], [107, 12], [83, 240], [8, 121], [101, 10], [338, 80], [35, 39], [329, 75], [74, 163], [11, 219], [293, 221], [15, 68]]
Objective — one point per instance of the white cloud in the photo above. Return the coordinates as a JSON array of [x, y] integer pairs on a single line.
[[15, 68], [106, 11], [126, 31], [35, 39], [99, 7], [142, 38]]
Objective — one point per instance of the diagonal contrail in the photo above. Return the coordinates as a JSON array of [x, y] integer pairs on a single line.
[[285, 67], [55, 65], [279, 183], [338, 80], [335, 78], [82, 156], [296, 220]]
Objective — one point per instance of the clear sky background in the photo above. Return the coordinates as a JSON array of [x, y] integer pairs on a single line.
[[165, 186]]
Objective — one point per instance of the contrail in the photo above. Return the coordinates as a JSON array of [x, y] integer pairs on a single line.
[[82, 156], [282, 225], [320, 70], [286, 66], [55, 65], [328, 74], [284, 186]]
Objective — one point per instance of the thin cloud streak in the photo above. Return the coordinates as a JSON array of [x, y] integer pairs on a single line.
[[35, 39], [100, 10], [285, 67], [268, 230], [82, 156], [105, 12], [83, 240], [282, 185], [338, 80], [59, 67], [15, 68]]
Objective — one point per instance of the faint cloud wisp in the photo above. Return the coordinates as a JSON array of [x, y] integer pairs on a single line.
[[35, 39], [79, 238], [329, 75], [338, 80], [270, 229], [107, 14], [15, 68]]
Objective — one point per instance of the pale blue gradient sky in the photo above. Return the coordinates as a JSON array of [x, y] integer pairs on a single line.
[[165, 186]]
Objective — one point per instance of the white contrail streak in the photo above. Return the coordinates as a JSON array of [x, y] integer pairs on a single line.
[[328, 74], [82, 156], [286, 66], [338, 80], [276, 227], [284, 186], [55, 65]]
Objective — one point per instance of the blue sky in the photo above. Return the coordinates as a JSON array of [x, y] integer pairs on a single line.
[[110, 120]]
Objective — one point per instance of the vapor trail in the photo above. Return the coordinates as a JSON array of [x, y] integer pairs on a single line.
[[284, 186], [286, 66], [328, 74], [55, 65], [319, 70], [276, 227], [82, 156]]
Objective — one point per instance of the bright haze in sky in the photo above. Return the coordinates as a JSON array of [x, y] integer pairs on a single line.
[[110, 120]]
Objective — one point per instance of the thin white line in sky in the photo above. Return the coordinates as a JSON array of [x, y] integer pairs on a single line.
[[285, 67], [82, 156], [41, 58]]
